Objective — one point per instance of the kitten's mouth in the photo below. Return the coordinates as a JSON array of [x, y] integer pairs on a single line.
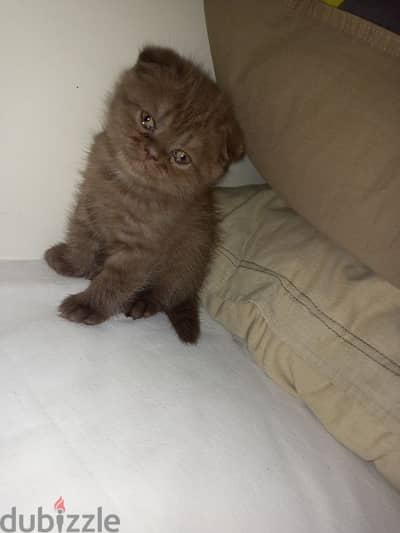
[[144, 163], [145, 167]]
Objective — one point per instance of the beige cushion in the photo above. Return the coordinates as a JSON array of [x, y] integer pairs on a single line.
[[317, 92], [315, 319]]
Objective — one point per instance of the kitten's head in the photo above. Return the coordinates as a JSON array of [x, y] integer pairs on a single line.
[[170, 126]]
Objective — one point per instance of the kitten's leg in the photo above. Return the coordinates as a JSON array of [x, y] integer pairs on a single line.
[[184, 316], [175, 291], [72, 261], [175, 286], [79, 256], [124, 274], [185, 320]]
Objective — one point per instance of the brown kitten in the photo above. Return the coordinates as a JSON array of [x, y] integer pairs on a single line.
[[144, 225]]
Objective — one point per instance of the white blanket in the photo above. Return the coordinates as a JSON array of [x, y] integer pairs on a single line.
[[170, 438]]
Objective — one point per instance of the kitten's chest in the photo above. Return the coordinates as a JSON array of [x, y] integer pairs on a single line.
[[125, 218]]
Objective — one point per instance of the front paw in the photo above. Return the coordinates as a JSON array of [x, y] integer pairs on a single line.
[[78, 308], [57, 259], [141, 308]]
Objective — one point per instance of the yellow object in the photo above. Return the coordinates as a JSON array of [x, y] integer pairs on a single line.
[[333, 3]]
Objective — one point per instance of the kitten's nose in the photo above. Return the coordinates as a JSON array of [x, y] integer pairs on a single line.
[[151, 152]]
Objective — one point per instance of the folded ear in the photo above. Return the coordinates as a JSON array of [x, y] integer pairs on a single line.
[[234, 141], [158, 56]]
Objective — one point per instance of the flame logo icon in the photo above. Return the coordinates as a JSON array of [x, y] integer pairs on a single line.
[[60, 505]]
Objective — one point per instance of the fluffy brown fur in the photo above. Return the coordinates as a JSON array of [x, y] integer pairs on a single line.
[[144, 226]]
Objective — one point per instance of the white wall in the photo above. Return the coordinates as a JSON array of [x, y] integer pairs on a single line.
[[58, 59]]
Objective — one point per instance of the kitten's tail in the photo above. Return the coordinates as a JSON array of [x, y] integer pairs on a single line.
[[184, 318]]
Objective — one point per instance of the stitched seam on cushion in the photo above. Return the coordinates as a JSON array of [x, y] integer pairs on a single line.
[[361, 396], [366, 31], [339, 324], [361, 393], [280, 278], [223, 279], [315, 315]]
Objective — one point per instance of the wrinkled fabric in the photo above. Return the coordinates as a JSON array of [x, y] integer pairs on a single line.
[[317, 321], [168, 437]]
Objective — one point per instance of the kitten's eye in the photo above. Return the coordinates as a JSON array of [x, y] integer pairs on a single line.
[[180, 157], [147, 121]]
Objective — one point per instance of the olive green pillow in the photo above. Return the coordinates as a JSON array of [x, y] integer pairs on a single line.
[[317, 92]]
